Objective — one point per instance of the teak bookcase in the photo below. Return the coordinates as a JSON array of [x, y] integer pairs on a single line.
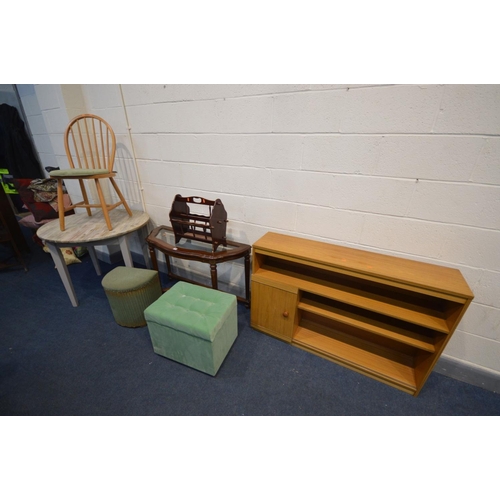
[[386, 317]]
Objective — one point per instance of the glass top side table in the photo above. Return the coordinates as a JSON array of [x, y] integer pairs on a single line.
[[162, 239]]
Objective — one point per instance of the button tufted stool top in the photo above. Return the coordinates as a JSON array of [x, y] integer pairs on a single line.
[[192, 309], [193, 325]]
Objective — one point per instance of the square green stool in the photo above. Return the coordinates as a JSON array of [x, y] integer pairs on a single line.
[[193, 325], [129, 291]]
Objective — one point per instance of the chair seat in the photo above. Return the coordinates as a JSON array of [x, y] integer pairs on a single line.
[[78, 172]]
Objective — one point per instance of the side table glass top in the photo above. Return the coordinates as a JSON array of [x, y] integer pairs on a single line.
[[164, 236], [162, 239]]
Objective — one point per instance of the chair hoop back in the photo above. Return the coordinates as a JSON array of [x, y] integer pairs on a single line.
[[90, 143]]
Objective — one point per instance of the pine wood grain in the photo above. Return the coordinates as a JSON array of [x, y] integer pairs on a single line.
[[386, 317], [400, 270]]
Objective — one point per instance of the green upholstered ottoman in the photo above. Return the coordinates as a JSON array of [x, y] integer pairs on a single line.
[[129, 291], [193, 325]]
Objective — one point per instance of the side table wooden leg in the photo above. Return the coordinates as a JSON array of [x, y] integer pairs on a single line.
[[152, 257], [213, 274], [169, 267]]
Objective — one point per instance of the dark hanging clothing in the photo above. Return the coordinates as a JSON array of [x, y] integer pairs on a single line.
[[16, 150]]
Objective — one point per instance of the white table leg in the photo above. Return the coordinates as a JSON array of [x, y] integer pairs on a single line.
[[62, 269], [143, 234], [95, 260], [124, 246]]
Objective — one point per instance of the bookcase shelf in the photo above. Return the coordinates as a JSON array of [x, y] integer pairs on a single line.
[[387, 317]]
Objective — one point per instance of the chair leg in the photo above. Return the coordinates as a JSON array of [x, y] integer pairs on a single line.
[[19, 255], [120, 195], [85, 197], [61, 204], [7, 237], [104, 206]]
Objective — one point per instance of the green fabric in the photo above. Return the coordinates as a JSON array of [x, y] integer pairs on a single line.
[[192, 309], [122, 279], [130, 291], [78, 172], [179, 332]]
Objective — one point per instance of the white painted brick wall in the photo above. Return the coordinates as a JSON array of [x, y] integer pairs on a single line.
[[407, 170], [37, 126], [428, 157], [289, 185], [487, 289], [474, 349], [252, 115], [409, 109], [309, 112], [49, 96], [399, 234], [350, 154], [336, 226], [147, 146], [274, 215], [471, 246], [469, 109], [379, 195], [486, 167], [480, 317], [103, 97], [146, 94], [457, 203], [273, 151]]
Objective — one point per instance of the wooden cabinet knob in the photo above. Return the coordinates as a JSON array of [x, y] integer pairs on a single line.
[[285, 314]]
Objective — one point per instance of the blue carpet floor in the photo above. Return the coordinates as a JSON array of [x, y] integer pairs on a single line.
[[56, 359]]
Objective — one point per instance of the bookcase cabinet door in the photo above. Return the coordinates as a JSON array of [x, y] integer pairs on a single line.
[[273, 311]]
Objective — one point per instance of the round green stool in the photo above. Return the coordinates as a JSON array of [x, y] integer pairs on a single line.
[[129, 291]]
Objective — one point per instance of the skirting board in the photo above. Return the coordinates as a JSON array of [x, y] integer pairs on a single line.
[[466, 372]]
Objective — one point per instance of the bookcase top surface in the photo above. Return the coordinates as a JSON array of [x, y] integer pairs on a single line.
[[369, 263]]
